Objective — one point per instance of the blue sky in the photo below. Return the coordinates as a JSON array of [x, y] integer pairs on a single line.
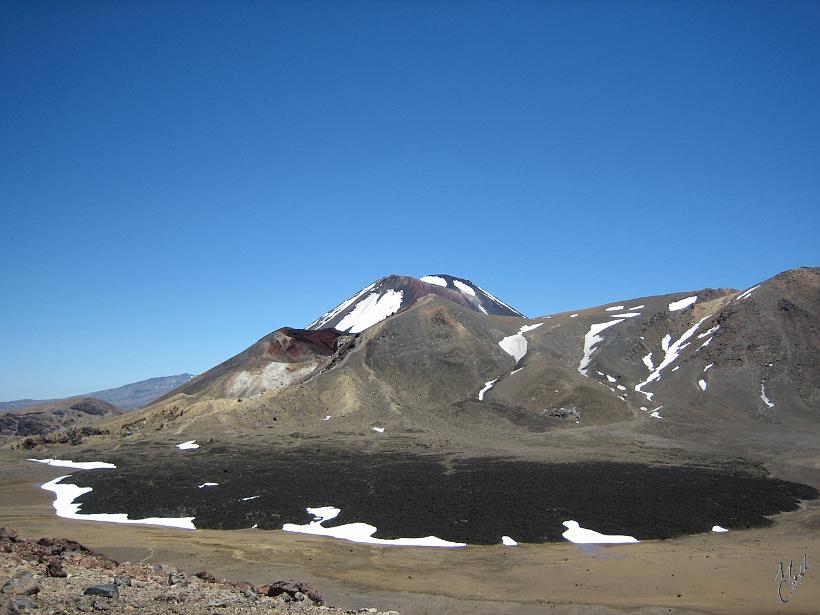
[[178, 179]]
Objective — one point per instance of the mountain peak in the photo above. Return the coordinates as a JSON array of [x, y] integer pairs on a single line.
[[390, 294]]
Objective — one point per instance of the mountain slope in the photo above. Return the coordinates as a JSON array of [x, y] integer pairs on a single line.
[[708, 366]]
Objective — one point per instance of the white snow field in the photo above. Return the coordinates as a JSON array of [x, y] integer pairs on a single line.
[[682, 303], [591, 339], [359, 532], [319, 322], [487, 386], [65, 507], [78, 465], [434, 279], [579, 535], [370, 310], [516, 345], [746, 293], [769, 403], [467, 290], [672, 352]]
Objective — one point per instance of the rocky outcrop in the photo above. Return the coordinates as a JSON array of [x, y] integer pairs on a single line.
[[94, 582]]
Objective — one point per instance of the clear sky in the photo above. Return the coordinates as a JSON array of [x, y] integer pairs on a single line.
[[178, 179]]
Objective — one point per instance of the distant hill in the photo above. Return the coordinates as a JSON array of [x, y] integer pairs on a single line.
[[126, 397], [54, 416]]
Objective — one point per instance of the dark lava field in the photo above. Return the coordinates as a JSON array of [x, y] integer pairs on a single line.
[[472, 500]]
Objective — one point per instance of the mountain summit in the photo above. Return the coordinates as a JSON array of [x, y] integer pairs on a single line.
[[394, 293], [290, 356]]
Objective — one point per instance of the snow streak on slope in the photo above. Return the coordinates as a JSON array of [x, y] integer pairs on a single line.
[[765, 399], [467, 290], [591, 339], [487, 386], [499, 301], [673, 351], [370, 310], [340, 308], [516, 345], [745, 294], [683, 303], [434, 279]]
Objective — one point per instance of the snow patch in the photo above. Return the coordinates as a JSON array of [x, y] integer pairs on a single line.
[[708, 332], [434, 279], [573, 315], [708, 367], [327, 418], [626, 315], [467, 290], [702, 384], [487, 386], [637, 307], [516, 345], [765, 399], [647, 360], [682, 303], [614, 308], [65, 507], [746, 293], [319, 322], [672, 351], [203, 485], [579, 535], [253, 497], [591, 339], [370, 310], [378, 429], [359, 532], [718, 529], [188, 446], [79, 465], [506, 540]]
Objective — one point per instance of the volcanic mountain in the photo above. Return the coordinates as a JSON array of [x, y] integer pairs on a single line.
[[393, 293], [440, 355]]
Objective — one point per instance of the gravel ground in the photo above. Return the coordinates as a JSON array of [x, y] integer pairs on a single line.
[[55, 576]]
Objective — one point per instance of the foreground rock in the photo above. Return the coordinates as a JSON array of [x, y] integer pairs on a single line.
[[30, 574]]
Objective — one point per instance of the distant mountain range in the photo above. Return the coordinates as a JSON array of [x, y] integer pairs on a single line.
[[126, 397]]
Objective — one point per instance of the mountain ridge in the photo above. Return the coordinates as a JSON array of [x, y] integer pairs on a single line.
[[131, 396]]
